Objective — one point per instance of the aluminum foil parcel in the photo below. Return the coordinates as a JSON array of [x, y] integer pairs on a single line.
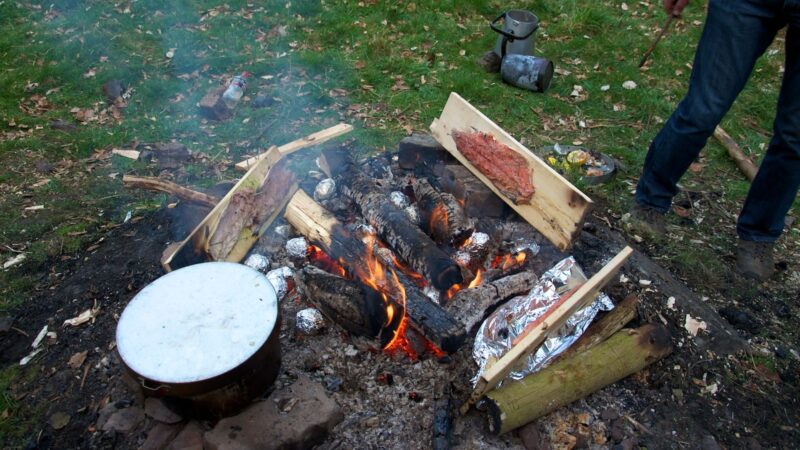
[[502, 327]]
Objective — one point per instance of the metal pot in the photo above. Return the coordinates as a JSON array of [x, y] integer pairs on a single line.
[[204, 337], [517, 35]]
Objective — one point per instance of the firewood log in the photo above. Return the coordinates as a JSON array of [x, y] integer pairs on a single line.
[[441, 215]]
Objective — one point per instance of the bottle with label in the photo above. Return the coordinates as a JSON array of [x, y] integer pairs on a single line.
[[235, 90]]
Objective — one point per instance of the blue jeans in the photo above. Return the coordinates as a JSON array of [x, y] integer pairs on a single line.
[[736, 33]]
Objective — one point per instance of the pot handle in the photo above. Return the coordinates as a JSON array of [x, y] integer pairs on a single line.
[[154, 388], [508, 36]]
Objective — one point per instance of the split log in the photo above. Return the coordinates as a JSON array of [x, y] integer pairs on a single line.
[[748, 168], [320, 227], [354, 306], [552, 320], [470, 306], [604, 328], [157, 184], [441, 215], [393, 225], [625, 353]]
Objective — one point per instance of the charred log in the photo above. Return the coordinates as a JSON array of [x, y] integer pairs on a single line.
[[392, 223], [441, 215], [470, 306]]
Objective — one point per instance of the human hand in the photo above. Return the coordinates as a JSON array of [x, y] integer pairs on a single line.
[[675, 7]]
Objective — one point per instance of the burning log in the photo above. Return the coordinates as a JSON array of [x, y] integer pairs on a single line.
[[443, 217], [625, 353], [392, 223], [157, 184], [319, 226], [470, 306], [354, 306]]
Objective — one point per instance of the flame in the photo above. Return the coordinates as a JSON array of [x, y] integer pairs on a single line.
[[472, 284], [437, 223], [509, 261], [475, 281], [321, 259]]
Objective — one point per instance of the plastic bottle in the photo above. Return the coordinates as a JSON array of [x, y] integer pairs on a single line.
[[235, 90]]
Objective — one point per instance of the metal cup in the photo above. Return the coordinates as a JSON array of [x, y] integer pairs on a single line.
[[527, 72]]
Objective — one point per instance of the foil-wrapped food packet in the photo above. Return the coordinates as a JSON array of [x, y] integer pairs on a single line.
[[498, 332], [309, 321], [280, 279]]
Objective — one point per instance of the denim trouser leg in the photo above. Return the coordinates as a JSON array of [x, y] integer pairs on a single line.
[[736, 33], [776, 184]]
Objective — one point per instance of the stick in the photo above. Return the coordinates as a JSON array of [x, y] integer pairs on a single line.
[[625, 353], [312, 139], [604, 328], [735, 152], [553, 320], [657, 39], [157, 184]]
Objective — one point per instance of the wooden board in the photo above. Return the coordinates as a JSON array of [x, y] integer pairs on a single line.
[[312, 139], [557, 209], [553, 321]]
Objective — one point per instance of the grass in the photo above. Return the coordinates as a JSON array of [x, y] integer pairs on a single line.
[[388, 67]]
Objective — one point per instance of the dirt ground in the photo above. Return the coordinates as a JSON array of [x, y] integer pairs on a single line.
[[700, 396]]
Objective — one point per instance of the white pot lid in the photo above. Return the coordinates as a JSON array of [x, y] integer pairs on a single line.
[[197, 322]]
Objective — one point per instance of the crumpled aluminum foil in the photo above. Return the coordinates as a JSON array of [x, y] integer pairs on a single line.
[[259, 262], [309, 321], [399, 199], [325, 189], [462, 258], [297, 247], [279, 278], [283, 230], [499, 330], [529, 246], [477, 241]]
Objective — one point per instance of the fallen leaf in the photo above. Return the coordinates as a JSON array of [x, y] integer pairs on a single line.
[[681, 211], [693, 326], [90, 73], [59, 420], [696, 167], [630, 84], [14, 261], [85, 316], [76, 360]]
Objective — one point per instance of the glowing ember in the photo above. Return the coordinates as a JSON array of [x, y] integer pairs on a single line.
[[437, 223], [457, 287], [475, 281], [509, 261], [319, 258]]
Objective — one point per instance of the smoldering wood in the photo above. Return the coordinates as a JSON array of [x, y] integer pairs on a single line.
[[470, 306], [478, 200], [311, 220], [570, 379], [441, 215], [355, 307], [157, 184], [394, 227]]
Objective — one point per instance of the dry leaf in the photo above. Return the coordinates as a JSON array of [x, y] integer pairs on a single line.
[[76, 360], [90, 73], [693, 326], [696, 167], [86, 316], [681, 211]]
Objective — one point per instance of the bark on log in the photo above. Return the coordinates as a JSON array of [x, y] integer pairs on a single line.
[[626, 352], [605, 327], [470, 306], [392, 223], [441, 215], [748, 168], [320, 227], [355, 307], [157, 184]]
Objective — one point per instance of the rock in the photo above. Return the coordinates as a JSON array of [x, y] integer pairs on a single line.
[[263, 426], [532, 437], [262, 101], [44, 167], [420, 149], [739, 318], [160, 436], [709, 443], [112, 90], [609, 414], [59, 420], [190, 438], [105, 413], [157, 410], [124, 420], [490, 61]]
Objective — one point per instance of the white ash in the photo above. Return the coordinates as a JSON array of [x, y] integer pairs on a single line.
[[259, 262], [413, 213], [283, 230], [432, 293], [279, 279], [462, 258], [325, 189], [399, 199], [310, 321], [363, 229], [316, 174], [297, 247], [477, 242]]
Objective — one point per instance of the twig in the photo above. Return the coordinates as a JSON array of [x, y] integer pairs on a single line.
[[20, 331], [83, 379], [657, 39]]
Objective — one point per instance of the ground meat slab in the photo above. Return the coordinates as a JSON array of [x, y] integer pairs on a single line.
[[504, 167]]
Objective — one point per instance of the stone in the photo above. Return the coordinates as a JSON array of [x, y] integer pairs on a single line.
[[157, 410], [190, 438], [420, 149], [533, 438], [124, 420], [264, 426], [105, 413], [478, 199], [160, 435]]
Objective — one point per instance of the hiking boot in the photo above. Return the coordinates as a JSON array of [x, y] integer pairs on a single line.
[[647, 220], [754, 259]]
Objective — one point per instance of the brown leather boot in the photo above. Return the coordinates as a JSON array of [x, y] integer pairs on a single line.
[[648, 221], [754, 259]]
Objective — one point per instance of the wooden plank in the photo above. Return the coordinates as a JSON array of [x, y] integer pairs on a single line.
[[312, 139], [557, 209], [555, 318]]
